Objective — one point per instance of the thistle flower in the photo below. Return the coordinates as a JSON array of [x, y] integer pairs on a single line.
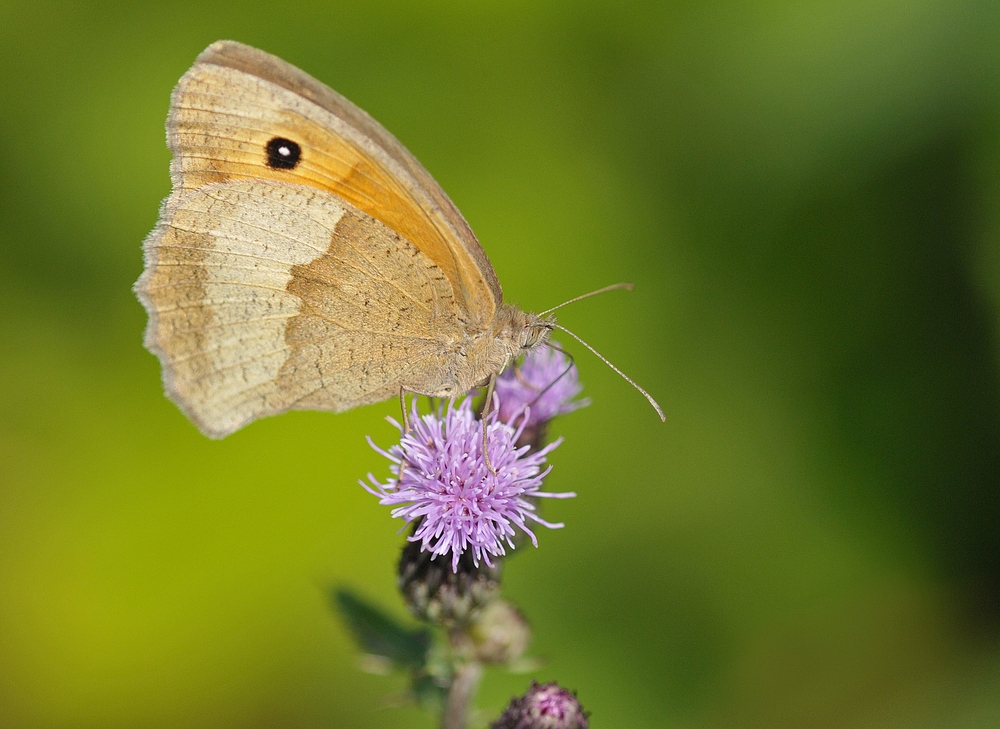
[[544, 384], [544, 706], [446, 483]]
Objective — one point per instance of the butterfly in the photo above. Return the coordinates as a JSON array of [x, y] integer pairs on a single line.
[[306, 260]]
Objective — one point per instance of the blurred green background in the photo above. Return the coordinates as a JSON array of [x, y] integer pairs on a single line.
[[806, 196]]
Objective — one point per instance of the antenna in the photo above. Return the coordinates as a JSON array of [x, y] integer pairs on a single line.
[[629, 380], [612, 287]]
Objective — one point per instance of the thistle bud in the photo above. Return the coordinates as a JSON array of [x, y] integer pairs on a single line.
[[435, 592], [544, 706], [500, 633]]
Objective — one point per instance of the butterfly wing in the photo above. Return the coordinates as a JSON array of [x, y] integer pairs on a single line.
[[329, 283], [235, 99], [265, 296]]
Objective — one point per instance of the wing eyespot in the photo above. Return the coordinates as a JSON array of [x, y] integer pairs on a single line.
[[283, 154]]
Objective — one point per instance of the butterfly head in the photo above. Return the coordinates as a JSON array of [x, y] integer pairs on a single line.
[[518, 332], [534, 332]]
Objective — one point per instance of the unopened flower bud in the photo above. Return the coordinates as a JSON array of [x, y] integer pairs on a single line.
[[544, 706], [435, 592], [500, 633]]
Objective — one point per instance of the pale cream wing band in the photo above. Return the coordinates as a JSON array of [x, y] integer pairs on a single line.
[[265, 296]]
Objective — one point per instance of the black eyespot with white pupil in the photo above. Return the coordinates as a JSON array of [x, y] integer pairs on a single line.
[[283, 154]]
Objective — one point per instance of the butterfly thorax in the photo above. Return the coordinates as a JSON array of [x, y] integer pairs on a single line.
[[514, 333]]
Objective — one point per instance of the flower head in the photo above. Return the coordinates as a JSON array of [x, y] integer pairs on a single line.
[[443, 480], [545, 384], [544, 706]]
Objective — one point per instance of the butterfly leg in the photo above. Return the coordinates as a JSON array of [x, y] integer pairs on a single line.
[[406, 430], [486, 410], [402, 409]]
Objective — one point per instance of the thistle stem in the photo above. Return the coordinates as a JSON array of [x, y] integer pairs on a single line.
[[460, 694]]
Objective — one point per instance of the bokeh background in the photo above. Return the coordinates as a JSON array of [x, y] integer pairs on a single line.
[[806, 195]]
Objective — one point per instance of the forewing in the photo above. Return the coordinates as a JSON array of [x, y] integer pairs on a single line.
[[235, 99], [264, 296]]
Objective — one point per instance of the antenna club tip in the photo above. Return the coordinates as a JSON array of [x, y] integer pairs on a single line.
[[658, 409]]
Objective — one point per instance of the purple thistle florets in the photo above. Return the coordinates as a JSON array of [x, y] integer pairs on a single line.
[[446, 484], [544, 706], [544, 385]]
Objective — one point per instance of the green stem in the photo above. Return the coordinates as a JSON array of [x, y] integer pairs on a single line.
[[460, 695]]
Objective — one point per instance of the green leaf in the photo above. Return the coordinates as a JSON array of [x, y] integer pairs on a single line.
[[379, 634]]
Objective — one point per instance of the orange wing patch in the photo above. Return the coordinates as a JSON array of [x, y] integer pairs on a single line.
[[222, 120]]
